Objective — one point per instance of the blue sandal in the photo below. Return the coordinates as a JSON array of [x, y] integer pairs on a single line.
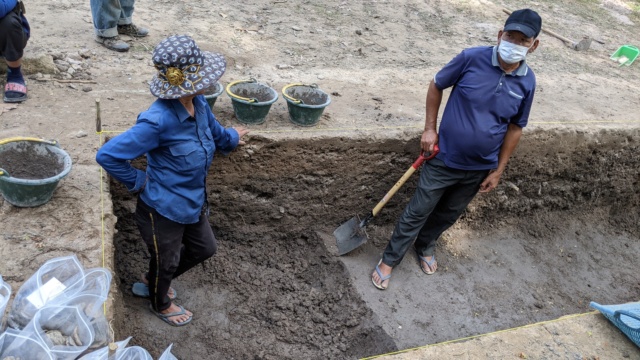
[[429, 263], [142, 290], [165, 317], [382, 278]]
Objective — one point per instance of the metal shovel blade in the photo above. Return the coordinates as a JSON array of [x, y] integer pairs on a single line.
[[349, 236]]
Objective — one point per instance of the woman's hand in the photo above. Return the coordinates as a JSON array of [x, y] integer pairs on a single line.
[[241, 132]]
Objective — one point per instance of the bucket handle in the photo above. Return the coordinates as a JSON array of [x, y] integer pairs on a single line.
[[251, 100], [294, 100], [21, 138], [4, 172]]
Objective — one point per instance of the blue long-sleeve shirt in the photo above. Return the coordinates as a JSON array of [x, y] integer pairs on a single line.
[[179, 151], [6, 6]]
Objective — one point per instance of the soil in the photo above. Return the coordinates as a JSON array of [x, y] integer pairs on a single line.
[[561, 229], [25, 162]]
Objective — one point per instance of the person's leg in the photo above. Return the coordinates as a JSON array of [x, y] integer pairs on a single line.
[[452, 204], [163, 238], [199, 245], [106, 14], [125, 23], [435, 177], [12, 45]]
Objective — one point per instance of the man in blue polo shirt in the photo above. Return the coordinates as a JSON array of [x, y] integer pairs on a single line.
[[491, 97]]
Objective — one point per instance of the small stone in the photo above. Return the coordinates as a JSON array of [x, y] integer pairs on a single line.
[[81, 134], [281, 210], [296, 28], [284, 66], [358, 32], [87, 88], [71, 71], [71, 86]]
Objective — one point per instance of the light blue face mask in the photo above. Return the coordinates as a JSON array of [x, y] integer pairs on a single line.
[[512, 53]]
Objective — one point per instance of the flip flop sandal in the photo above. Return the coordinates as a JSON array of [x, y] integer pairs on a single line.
[[165, 317], [382, 278], [17, 88], [142, 290], [429, 264]]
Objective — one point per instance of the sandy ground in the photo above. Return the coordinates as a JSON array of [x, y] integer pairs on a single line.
[[559, 232]]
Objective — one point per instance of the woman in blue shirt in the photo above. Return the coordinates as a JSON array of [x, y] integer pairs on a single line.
[[179, 135]]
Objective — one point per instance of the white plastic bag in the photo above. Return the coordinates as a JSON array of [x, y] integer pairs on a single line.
[[56, 276], [62, 282], [5, 295], [103, 353], [167, 355], [134, 353], [16, 345], [64, 330]]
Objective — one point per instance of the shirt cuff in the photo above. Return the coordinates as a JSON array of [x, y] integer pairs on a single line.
[[141, 180]]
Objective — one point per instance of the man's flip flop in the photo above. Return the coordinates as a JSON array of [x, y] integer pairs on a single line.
[[165, 317], [429, 263], [142, 290], [14, 92], [382, 278]]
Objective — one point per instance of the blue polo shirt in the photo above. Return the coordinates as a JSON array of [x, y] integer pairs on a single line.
[[179, 151], [483, 102]]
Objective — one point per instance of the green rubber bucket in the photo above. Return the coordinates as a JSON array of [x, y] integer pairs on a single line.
[[30, 170], [251, 100], [305, 103], [211, 95]]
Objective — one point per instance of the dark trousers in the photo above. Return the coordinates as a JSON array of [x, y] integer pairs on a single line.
[[13, 39], [442, 195], [174, 248]]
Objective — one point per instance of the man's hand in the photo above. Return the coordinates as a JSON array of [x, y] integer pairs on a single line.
[[429, 140], [241, 132], [490, 182]]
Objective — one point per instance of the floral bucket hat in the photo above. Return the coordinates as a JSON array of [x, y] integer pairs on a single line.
[[184, 69]]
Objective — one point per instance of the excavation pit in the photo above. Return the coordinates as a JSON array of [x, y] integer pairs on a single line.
[[562, 229]]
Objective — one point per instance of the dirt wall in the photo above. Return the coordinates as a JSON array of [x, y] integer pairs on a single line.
[[276, 290]]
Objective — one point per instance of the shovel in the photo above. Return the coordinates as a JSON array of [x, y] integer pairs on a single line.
[[351, 234], [581, 45]]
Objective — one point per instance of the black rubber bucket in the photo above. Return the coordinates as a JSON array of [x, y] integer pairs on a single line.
[[305, 103], [212, 94], [23, 185], [251, 100]]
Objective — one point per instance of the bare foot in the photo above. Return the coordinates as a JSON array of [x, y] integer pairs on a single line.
[[378, 281], [178, 318], [428, 264]]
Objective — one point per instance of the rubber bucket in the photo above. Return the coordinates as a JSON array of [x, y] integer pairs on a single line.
[[32, 180], [251, 100], [305, 103], [212, 94]]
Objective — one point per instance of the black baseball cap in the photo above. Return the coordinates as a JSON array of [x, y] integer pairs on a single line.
[[526, 21]]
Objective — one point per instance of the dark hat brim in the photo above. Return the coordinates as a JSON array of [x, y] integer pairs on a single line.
[[197, 78], [528, 31]]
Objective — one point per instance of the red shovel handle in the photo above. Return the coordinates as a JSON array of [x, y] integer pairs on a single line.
[[422, 158]]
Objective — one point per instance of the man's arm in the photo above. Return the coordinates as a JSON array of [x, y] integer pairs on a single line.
[[511, 139], [429, 135]]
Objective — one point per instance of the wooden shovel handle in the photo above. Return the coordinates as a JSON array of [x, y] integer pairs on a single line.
[[421, 159]]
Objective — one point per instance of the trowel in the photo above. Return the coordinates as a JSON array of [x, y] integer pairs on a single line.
[[351, 234]]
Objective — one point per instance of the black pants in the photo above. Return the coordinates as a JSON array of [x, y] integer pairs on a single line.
[[174, 248], [442, 195], [13, 39]]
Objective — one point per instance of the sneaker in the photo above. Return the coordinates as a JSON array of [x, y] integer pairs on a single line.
[[132, 30], [113, 43]]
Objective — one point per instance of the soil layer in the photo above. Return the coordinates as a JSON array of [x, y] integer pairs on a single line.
[[557, 233]]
